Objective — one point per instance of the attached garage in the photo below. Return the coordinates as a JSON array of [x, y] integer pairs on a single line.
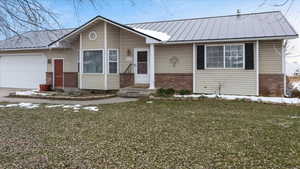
[[22, 70]]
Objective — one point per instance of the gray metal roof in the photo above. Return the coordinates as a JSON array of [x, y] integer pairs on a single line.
[[33, 39], [244, 26], [256, 25]]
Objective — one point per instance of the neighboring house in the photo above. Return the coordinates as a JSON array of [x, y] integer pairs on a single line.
[[237, 54]]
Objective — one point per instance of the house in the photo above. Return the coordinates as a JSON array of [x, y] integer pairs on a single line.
[[238, 54]]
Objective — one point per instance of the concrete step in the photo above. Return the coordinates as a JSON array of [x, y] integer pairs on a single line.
[[135, 92]]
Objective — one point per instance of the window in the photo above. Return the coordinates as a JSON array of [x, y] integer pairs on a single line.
[[214, 56], [113, 60], [225, 56], [93, 61], [234, 56]]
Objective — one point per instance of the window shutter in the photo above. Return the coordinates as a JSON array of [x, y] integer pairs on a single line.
[[249, 56], [200, 57]]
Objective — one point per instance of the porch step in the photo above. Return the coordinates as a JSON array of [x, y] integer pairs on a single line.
[[135, 92]]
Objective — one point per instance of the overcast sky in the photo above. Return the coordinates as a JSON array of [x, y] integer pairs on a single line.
[[131, 11]]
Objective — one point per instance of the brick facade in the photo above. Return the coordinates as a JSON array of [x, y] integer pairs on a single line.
[[49, 77], [126, 79], [271, 84], [70, 79], [177, 81]]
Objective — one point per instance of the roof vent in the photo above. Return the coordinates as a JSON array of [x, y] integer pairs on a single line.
[[238, 12]]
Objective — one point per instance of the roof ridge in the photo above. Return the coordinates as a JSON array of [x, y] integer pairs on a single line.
[[172, 20]]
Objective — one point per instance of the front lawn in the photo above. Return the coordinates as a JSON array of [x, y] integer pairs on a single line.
[[162, 134]]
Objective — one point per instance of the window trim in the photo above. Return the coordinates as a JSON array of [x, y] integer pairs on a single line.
[[108, 50], [224, 66], [100, 49]]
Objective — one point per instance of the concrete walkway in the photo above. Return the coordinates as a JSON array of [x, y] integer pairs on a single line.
[[5, 92]]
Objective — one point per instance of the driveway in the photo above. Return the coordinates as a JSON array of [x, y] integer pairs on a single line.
[[5, 92]]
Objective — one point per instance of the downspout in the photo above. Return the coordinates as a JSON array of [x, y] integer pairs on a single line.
[[257, 67], [194, 67], [80, 61], [283, 66], [105, 56]]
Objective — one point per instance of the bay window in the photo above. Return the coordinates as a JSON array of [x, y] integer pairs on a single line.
[[229, 56], [93, 61]]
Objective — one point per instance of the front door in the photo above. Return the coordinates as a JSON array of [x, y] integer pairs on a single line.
[[141, 71], [58, 73]]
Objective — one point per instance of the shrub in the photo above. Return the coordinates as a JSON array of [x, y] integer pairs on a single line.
[[184, 92], [165, 92], [295, 93]]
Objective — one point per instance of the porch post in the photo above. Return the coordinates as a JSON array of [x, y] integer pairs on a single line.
[[152, 67]]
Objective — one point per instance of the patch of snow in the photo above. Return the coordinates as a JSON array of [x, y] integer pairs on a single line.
[[12, 105], [149, 102], [75, 107], [159, 35], [91, 108], [21, 105], [54, 106], [28, 105], [30, 93], [251, 98], [296, 85], [294, 117]]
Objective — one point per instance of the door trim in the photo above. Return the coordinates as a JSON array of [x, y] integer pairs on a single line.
[[53, 70], [135, 63]]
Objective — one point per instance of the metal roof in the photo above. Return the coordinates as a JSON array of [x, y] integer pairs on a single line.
[[33, 39], [243, 26]]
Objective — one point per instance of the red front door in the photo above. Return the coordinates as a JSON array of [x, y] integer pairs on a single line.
[[58, 73]]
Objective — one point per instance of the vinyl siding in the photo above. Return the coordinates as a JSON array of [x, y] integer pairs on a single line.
[[270, 61], [164, 54], [70, 57], [113, 37], [231, 81], [129, 41], [93, 81], [98, 43], [113, 81]]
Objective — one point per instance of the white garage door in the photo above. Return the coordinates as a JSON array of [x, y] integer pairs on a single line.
[[22, 71]]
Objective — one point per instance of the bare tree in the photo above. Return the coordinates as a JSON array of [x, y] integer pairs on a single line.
[[19, 15]]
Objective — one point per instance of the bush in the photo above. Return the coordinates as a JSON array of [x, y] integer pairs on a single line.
[[295, 93], [184, 92], [165, 92]]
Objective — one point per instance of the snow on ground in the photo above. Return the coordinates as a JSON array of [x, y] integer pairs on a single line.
[[159, 35], [251, 98], [21, 105], [91, 108], [76, 107], [30, 93], [296, 85], [292, 64]]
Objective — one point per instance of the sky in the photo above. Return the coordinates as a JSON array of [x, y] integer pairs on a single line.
[[133, 11]]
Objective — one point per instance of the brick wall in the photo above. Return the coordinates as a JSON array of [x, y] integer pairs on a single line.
[[176, 81], [70, 79], [126, 79], [49, 79], [271, 84]]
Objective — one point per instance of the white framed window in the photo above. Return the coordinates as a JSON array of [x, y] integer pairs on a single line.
[[229, 56], [113, 57], [93, 61]]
